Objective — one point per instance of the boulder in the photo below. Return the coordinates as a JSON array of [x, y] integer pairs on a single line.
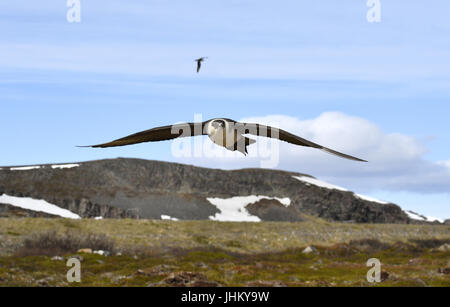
[[85, 251], [310, 249]]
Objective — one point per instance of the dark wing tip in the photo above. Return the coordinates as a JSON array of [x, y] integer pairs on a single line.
[[91, 146], [342, 155], [359, 160]]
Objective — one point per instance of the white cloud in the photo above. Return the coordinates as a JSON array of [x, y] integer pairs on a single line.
[[396, 161], [444, 163]]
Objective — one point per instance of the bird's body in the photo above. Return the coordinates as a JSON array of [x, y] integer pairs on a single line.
[[199, 62], [223, 132]]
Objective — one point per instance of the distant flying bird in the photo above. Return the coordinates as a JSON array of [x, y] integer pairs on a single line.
[[199, 62], [223, 132]]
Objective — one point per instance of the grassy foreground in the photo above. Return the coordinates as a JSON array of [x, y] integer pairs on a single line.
[[208, 253]]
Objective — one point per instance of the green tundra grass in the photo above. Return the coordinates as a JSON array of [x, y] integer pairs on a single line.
[[209, 253]]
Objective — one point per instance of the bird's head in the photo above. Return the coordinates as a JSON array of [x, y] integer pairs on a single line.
[[215, 125], [218, 123]]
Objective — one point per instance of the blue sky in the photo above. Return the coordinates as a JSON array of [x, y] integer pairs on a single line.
[[128, 66]]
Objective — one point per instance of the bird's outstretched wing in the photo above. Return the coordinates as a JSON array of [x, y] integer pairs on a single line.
[[157, 134], [271, 132]]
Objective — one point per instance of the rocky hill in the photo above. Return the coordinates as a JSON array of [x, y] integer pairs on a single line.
[[134, 188]]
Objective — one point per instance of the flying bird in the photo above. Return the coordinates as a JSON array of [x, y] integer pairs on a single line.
[[199, 62], [223, 132]]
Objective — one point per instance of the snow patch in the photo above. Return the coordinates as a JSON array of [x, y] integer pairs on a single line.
[[323, 184], [24, 168], [326, 185], [233, 209], [374, 200], [98, 218], [319, 183], [419, 217], [434, 219], [65, 165], [415, 216], [37, 205], [284, 201], [166, 217]]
